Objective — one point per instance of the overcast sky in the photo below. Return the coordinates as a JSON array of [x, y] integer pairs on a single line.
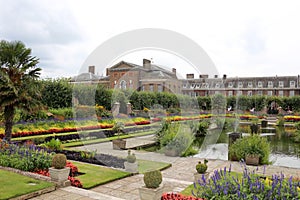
[[257, 38]]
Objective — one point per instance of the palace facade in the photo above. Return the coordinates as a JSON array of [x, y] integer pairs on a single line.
[[150, 77]]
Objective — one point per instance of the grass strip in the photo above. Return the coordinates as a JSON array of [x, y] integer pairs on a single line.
[[94, 141], [147, 165], [95, 175], [14, 185]]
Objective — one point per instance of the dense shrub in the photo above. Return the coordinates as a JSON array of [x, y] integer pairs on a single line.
[[56, 93], [253, 144]]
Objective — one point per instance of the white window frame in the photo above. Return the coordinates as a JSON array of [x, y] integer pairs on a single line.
[[151, 87], [230, 93], [292, 93], [280, 93], [280, 84], [159, 88], [270, 93], [260, 92], [230, 84], [259, 84], [292, 84], [250, 93], [250, 84], [240, 84], [270, 84]]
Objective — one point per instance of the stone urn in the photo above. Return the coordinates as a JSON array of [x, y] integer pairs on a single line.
[[151, 193], [119, 144], [199, 177], [153, 188], [252, 159], [59, 175]]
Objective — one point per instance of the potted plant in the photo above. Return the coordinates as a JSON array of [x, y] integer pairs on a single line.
[[252, 159], [201, 173], [119, 143], [130, 164], [59, 172], [152, 189]]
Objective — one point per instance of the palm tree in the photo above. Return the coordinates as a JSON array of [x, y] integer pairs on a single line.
[[18, 81]]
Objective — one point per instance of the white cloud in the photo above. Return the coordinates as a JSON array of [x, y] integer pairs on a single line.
[[250, 38]]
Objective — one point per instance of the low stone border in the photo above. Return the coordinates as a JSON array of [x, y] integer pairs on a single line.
[[29, 174], [35, 194]]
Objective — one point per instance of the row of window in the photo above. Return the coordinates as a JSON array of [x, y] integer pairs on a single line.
[[249, 93], [259, 92], [270, 84]]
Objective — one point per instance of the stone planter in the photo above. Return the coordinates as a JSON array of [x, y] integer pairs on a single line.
[[59, 175], [252, 160], [119, 144], [171, 152], [198, 177], [151, 193], [131, 167]]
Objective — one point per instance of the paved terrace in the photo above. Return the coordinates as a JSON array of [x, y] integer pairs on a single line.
[[175, 178]]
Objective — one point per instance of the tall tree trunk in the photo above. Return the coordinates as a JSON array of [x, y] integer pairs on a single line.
[[9, 113]]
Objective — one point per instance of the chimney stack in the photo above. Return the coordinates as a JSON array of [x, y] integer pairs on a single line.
[[174, 70], [92, 69], [216, 76], [189, 76], [146, 63], [224, 76], [106, 71], [203, 76]]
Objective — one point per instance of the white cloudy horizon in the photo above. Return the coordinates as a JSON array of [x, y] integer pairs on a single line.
[[252, 38]]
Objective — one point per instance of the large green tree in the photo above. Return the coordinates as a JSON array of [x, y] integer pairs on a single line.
[[19, 87]]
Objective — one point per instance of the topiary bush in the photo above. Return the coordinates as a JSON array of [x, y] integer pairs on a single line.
[[59, 161], [202, 167], [152, 179]]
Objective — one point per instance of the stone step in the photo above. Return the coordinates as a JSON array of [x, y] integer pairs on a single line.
[[88, 193]]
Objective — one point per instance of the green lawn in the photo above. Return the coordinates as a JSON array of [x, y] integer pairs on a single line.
[[96, 175], [14, 185], [146, 165]]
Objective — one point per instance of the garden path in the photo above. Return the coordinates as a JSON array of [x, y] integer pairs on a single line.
[[175, 178]]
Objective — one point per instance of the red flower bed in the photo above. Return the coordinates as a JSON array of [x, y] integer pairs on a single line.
[[142, 122], [74, 171], [174, 196]]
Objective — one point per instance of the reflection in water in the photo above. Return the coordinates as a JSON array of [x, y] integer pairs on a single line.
[[284, 152]]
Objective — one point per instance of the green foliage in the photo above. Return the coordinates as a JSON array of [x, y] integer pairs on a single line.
[[280, 122], [202, 167], [152, 179], [59, 161], [130, 157], [218, 103], [19, 87], [118, 128], [253, 144], [57, 93], [53, 144], [23, 157], [297, 126], [199, 128]]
